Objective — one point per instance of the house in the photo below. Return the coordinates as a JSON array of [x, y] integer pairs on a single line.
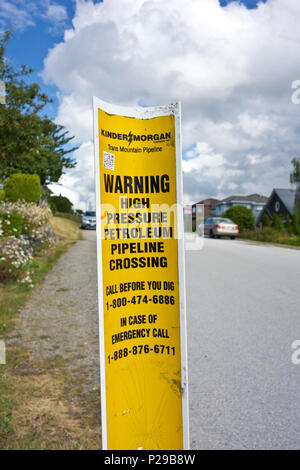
[[255, 202], [281, 202]]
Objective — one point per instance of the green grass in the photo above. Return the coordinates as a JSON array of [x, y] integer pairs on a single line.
[[74, 217], [7, 404]]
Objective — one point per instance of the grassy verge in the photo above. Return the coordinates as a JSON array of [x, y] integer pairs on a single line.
[[35, 412], [74, 217], [271, 235]]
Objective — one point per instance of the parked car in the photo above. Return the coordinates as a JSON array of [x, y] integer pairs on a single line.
[[219, 227], [88, 220]]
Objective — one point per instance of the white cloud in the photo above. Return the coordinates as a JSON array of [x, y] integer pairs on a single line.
[[231, 67], [23, 14], [13, 14], [56, 12], [257, 125], [78, 185]]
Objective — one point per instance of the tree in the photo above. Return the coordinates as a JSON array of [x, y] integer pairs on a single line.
[[60, 204], [288, 226], [295, 224], [266, 220], [240, 215], [29, 142], [295, 175], [277, 222]]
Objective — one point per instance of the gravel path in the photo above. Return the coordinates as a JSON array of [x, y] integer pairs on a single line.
[[60, 320]]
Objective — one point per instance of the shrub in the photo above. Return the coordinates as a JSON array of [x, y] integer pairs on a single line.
[[52, 205], [21, 186], [295, 224], [60, 204], [16, 252], [11, 224], [2, 194], [34, 216], [266, 235], [266, 222], [277, 223], [15, 255], [292, 241], [240, 215], [288, 226]]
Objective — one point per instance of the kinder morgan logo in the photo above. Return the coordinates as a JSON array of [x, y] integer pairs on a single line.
[[130, 137]]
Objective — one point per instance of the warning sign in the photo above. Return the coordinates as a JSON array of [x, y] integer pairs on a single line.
[[141, 277]]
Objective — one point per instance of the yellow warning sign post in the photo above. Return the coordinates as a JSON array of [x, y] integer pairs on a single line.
[[142, 322]]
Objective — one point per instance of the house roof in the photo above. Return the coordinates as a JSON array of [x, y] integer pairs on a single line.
[[287, 196], [210, 200], [257, 198]]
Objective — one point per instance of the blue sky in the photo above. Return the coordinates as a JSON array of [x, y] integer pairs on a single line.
[[249, 3], [30, 42], [223, 61]]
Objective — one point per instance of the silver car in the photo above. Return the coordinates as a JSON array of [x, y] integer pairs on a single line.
[[88, 220], [219, 227]]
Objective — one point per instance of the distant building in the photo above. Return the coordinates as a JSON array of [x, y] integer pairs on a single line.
[[281, 202], [255, 202], [208, 205]]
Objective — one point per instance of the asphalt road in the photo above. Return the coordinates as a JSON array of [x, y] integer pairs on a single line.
[[243, 312]]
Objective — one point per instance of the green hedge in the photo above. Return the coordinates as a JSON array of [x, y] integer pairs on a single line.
[[21, 186]]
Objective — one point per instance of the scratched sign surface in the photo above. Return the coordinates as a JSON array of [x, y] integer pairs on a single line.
[[139, 281]]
